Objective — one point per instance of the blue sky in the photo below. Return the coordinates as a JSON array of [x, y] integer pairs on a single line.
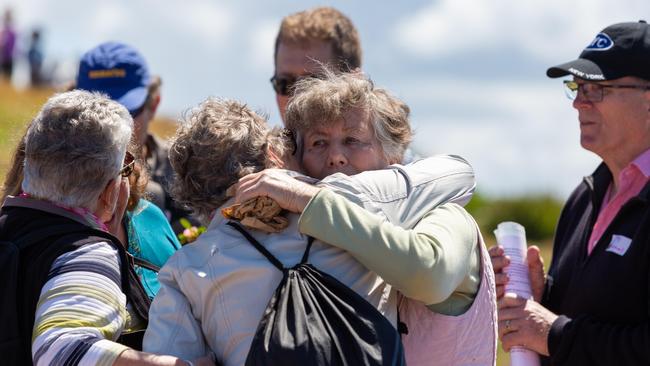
[[473, 71]]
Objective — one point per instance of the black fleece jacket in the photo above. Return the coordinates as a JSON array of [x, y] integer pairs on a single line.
[[603, 298]]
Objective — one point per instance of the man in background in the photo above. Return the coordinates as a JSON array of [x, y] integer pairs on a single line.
[[121, 72], [305, 40]]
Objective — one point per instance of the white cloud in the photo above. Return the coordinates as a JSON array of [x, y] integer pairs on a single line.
[[542, 29], [207, 20], [261, 45], [107, 19], [520, 137]]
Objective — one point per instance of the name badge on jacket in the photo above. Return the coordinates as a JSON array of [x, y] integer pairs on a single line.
[[619, 244]]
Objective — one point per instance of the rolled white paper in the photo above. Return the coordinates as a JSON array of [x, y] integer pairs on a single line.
[[512, 237]]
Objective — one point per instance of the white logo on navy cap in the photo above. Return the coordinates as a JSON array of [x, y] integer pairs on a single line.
[[602, 42]]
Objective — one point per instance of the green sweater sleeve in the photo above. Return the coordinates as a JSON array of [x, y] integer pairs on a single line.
[[430, 263]]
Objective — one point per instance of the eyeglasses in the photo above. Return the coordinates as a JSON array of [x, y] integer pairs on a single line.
[[593, 92], [284, 85], [127, 167]]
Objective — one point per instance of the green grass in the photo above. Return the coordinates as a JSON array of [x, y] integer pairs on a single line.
[[17, 108]]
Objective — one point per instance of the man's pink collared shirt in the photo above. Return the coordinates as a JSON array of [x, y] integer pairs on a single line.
[[632, 180]]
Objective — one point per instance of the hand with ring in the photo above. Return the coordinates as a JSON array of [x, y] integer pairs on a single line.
[[524, 322]]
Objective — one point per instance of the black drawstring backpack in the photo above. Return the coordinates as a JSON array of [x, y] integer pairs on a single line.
[[313, 319]]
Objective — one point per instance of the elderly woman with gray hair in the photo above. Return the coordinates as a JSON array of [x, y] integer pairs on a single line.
[[78, 299], [214, 292]]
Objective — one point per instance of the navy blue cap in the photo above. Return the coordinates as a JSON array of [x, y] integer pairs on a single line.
[[619, 50], [118, 70]]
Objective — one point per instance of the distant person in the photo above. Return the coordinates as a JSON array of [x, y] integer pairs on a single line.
[[593, 306], [35, 59], [121, 72], [7, 45], [118, 71]]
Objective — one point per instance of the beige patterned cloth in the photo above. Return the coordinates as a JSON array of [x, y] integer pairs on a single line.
[[261, 213]]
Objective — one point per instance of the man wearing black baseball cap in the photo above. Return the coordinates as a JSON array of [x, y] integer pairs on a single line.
[[593, 306]]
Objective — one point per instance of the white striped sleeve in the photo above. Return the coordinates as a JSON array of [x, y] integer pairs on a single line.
[[81, 309]]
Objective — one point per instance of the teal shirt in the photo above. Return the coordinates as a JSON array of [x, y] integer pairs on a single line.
[[150, 238]]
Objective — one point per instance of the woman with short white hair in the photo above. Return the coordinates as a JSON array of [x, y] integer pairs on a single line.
[[74, 279], [74, 147]]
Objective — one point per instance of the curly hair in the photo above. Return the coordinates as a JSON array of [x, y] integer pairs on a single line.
[[323, 24], [218, 142], [138, 179], [327, 97]]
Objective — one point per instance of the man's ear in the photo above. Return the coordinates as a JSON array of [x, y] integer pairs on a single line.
[[107, 200], [154, 104]]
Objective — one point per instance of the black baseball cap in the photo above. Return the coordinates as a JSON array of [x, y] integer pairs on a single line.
[[619, 50]]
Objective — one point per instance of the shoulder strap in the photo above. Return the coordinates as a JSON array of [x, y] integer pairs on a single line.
[[265, 252], [260, 248], [144, 263], [305, 255]]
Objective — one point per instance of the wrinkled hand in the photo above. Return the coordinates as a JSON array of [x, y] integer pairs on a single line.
[[115, 224], [524, 323], [291, 194], [535, 270]]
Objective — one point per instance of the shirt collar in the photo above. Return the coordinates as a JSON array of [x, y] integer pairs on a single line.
[[81, 216], [642, 162]]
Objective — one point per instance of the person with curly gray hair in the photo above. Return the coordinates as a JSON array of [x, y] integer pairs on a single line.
[[73, 278], [227, 284], [219, 142]]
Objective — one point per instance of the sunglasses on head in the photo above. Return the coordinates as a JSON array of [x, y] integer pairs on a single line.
[[127, 167], [283, 85]]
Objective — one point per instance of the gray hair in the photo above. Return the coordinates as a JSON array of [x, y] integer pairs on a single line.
[[218, 142], [74, 147], [326, 98]]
